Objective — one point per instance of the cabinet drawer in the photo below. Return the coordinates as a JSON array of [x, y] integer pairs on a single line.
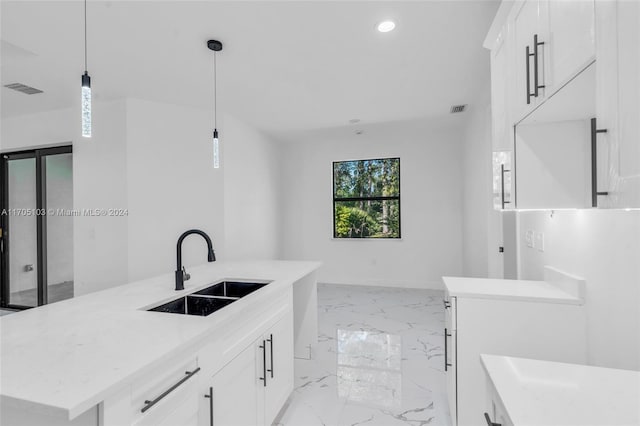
[[165, 393]]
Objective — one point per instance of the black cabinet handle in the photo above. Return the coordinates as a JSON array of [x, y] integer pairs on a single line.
[[489, 422], [536, 84], [210, 396], [446, 356], [149, 404], [528, 75], [594, 163], [447, 304], [502, 172], [264, 363], [270, 340]]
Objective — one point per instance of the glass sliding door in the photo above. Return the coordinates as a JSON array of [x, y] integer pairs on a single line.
[[23, 240], [59, 199], [36, 241]]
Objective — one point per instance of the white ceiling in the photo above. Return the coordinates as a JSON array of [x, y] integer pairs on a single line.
[[286, 66]]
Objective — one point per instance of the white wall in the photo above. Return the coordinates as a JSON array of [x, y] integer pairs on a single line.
[[251, 196], [99, 182], [431, 202], [171, 187], [99, 175], [477, 248], [603, 247], [155, 160]]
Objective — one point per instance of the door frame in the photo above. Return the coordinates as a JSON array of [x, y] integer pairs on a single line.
[[41, 221]]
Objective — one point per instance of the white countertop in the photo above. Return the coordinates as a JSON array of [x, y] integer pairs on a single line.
[[551, 393], [70, 355], [490, 288]]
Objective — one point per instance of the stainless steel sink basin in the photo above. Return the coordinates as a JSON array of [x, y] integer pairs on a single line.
[[231, 289], [210, 299], [193, 305]]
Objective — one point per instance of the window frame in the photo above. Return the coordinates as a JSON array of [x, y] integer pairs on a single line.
[[379, 198]]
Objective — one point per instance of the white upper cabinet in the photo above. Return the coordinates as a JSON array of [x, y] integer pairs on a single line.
[[618, 103], [502, 129], [554, 41], [529, 27], [572, 126], [570, 44]]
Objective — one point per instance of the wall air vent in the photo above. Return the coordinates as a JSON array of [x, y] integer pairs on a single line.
[[458, 108], [23, 88]]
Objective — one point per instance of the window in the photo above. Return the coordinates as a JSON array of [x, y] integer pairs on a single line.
[[366, 198]]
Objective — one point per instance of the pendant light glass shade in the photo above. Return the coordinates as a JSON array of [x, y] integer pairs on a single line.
[[216, 150], [86, 105]]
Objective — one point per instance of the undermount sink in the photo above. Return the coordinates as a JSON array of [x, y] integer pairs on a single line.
[[231, 289], [209, 299], [194, 305]]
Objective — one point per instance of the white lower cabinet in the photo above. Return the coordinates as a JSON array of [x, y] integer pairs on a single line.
[[232, 396], [279, 341], [252, 388], [450, 364], [541, 330], [495, 413]]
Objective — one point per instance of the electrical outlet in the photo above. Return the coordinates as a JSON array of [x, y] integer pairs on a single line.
[[540, 241], [529, 237]]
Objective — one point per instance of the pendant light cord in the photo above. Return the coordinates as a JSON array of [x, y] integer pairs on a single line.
[[85, 35], [215, 93]]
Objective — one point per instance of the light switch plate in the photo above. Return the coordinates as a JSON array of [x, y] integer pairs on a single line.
[[529, 238], [540, 241]]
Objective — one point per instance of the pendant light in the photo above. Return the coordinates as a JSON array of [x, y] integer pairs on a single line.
[[216, 46], [86, 86]]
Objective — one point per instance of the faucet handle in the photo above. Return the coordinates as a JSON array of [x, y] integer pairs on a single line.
[[185, 275]]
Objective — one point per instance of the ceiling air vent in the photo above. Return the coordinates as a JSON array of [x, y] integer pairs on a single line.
[[23, 88], [458, 108]]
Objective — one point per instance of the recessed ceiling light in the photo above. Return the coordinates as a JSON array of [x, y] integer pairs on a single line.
[[386, 26]]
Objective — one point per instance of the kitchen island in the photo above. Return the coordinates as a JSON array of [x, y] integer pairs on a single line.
[[102, 358]]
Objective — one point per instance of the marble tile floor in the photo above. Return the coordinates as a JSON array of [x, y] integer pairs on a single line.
[[379, 361]]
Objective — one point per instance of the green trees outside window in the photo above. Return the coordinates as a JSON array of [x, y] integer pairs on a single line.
[[366, 198]]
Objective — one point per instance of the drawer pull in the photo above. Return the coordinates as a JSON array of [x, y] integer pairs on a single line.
[[210, 396], [528, 74], [489, 422], [502, 172], [270, 340], [446, 356], [264, 363], [536, 83], [594, 163], [149, 404]]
